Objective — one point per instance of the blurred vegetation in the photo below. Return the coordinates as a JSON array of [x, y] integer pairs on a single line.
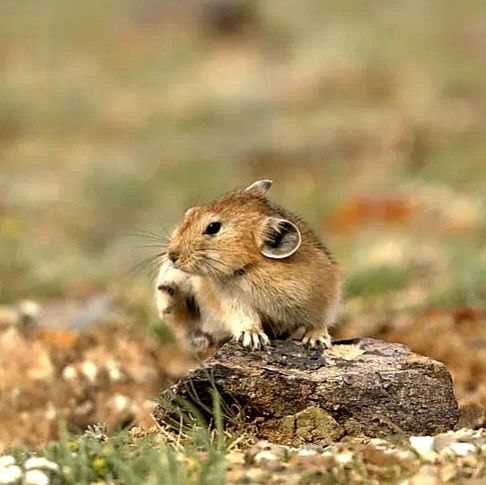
[[115, 116]]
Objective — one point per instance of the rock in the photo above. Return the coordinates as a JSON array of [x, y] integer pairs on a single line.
[[292, 395], [422, 444], [10, 474], [463, 449], [265, 455]]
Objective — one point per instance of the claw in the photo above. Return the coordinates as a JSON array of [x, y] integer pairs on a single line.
[[317, 339], [253, 340]]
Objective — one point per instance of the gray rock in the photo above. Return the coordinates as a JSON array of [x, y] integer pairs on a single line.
[[292, 395]]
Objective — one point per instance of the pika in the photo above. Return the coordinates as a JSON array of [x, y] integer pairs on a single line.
[[255, 270]]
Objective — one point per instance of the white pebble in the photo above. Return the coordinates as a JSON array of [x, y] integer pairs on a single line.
[[265, 455], [120, 402], [463, 449], [307, 452], [6, 460], [10, 474], [115, 374], [344, 458], [40, 462], [90, 370], [69, 373], [36, 477], [422, 444]]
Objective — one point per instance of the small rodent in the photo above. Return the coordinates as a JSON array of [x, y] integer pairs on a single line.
[[252, 269]]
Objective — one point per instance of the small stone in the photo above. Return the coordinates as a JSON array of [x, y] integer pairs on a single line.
[[115, 374], [463, 449], [10, 474], [344, 458], [307, 452], [265, 455], [422, 445], [36, 477], [120, 403], [464, 434], [6, 461], [69, 373], [40, 462], [379, 443], [89, 370]]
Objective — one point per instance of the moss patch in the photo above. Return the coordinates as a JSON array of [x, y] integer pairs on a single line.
[[312, 425]]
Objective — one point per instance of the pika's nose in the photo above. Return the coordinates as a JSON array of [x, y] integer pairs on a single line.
[[173, 256]]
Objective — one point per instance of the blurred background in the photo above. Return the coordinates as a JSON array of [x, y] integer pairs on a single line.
[[115, 116]]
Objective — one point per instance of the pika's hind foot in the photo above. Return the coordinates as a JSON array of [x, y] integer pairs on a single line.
[[253, 339], [317, 339]]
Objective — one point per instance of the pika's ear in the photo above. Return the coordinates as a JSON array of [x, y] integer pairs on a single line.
[[262, 186], [278, 238]]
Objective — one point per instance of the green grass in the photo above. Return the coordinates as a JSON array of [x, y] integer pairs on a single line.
[[378, 280], [127, 460], [195, 458]]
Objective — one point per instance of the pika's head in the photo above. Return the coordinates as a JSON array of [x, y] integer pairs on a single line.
[[232, 233]]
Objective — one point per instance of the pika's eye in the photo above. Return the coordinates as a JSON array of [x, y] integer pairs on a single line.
[[212, 228]]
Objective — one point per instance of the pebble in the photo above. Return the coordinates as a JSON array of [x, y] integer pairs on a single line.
[[89, 370], [463, 449], [40, 462], [265, 455], [307, 452], [36, 477], [10, 474], [69, 373], [422, 444], [464, 434], [344, 458], [6, 460]]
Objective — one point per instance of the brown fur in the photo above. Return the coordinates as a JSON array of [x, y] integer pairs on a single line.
[[243, 293]]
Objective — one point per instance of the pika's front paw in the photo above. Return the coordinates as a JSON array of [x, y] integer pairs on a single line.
[[317, 339], [253, 339]]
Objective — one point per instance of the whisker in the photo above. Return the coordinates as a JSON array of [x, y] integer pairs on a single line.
[[152, 236], [153, 262], [212, 263], [160, 246]]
